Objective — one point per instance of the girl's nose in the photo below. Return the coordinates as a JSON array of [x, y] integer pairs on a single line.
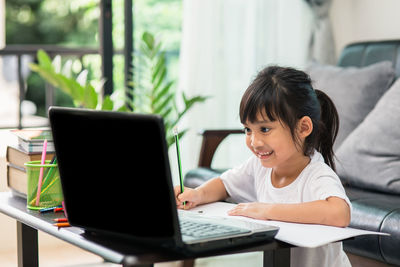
[[256, 141]]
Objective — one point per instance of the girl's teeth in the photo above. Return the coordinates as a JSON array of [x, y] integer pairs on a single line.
[[265, 153]]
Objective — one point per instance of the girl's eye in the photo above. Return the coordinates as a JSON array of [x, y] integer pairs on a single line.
[[264, 129], [246, 130]]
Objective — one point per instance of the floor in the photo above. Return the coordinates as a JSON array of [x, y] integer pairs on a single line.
[[65, 255], [59, 255]]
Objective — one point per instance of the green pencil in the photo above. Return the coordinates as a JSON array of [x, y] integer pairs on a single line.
[[178, 154]]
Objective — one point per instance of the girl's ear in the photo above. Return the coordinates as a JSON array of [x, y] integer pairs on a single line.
[[304, 127]]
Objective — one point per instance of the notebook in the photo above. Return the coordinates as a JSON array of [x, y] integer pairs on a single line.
[[116, 180]]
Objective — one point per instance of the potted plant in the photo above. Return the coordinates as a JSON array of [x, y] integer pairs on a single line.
[[153, 92]]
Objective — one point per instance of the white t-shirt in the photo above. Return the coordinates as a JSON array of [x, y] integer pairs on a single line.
[[251, 182]]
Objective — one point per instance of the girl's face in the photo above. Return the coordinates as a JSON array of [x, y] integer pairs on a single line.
[[271, 142]]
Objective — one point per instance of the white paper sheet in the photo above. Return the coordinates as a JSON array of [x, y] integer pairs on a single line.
[[302, 235]]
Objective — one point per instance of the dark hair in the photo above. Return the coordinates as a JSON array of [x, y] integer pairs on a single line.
[[287, 95]]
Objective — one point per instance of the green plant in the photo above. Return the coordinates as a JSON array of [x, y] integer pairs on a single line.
[[153, 92], [82, 92]]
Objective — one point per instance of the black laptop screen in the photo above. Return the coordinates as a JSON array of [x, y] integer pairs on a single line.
[[114, 171]]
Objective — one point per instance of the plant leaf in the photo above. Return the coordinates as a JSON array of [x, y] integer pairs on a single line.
[[122, 108], [44, 60], [108, 104], [166, 112], [144, 49], [163, 92], [76, 91], [160, 65], [189, 102], [158, 108], [47, 74], [160, 79], [148, 39], [90, 97]]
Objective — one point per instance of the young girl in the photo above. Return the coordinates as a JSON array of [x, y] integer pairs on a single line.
[[290, 128]]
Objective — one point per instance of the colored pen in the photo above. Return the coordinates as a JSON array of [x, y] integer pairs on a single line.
[[49, 174], [58, 209], [48, 209], [39, 189], [65, 211], [179, 161], [62, 224], [60, 220]]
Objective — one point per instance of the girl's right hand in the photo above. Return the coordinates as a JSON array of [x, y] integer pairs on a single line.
[[192, 197]]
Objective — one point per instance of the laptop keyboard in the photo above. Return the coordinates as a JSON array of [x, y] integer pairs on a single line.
[[206, 230]]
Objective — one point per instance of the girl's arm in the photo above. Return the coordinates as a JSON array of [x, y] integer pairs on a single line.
[[211, 191], [333, 211]]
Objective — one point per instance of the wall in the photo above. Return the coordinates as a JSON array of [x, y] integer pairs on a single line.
[[362, 20]]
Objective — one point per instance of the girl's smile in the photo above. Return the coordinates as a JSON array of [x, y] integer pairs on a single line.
[[263, 155], [269, 141], [272, 142]]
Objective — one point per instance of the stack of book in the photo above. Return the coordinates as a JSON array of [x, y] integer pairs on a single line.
[[31, 140], [29, 148]]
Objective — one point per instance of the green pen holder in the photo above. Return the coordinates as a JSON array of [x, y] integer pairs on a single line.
[[51, 194]]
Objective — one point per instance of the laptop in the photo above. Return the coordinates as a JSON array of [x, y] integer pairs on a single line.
[[116, 180]]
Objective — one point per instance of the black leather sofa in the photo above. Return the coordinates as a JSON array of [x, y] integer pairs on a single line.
[[372, 210]]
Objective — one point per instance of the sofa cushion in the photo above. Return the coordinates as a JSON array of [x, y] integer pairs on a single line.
[[198, 176], [354, 91], [374, 211], [390, 244], [370, 155]]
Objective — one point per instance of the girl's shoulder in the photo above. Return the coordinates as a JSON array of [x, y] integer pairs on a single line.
[[320, 175], [321, 182], [318, 162], [318, 168]]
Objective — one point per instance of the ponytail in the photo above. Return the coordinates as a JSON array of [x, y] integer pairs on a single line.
[[328, 128]]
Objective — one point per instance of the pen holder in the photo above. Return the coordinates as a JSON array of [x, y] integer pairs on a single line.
[[51, 194]]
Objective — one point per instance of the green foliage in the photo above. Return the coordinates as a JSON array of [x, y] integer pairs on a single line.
[[78, 88], [72, 22], [153, 92], [75, 23], [163, 17]]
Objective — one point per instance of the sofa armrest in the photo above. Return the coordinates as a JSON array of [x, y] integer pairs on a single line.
[[211, 140]]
